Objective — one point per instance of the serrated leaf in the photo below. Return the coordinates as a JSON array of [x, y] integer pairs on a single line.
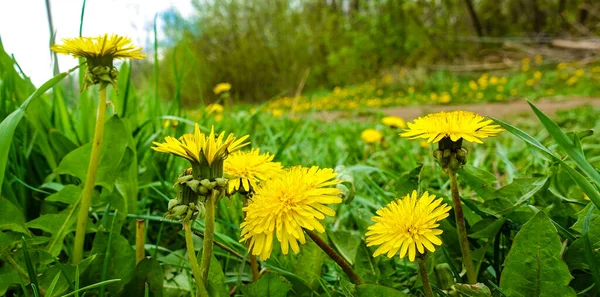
[[533, 267], [69, 194], [11, 217], [346, 242]]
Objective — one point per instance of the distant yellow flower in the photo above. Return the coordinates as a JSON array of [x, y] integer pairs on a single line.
[[503, 80], [214, 108], [246, 169], [170, 123], [530, 82], [513, 92], [407, 226], [393, 122], [454, 125], [494, 80], [222, 87], [537, 75], [287, 204], [538, 59], [579, 72], [525, 67], [473, 85], [387, 79], [445, 97], [499, 97], [199, 148], [411, 90], [479, 95], [104, 48], [525, 60], [500, 89], [572, 80], [561, 65], [370, 136]]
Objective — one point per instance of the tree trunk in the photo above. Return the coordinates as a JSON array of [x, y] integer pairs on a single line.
[[474, 17]]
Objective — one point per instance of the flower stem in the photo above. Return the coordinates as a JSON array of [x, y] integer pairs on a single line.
[[352, 275], [90, 180], [189, 243], [253, 261], [209, 235], [424, 276], [140, 251], [462, 229]]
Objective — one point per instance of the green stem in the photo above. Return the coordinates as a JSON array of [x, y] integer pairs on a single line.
[[352, 275], [424, 276], [140, 233], [209, 235], [462, 229], [88, 187], [189, 243]]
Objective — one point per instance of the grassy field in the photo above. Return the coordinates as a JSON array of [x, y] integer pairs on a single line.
[[532, 229]]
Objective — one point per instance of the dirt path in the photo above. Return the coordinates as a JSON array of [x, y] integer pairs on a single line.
[[498, 110]]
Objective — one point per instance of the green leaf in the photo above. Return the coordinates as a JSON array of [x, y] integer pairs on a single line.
[[69, 194], [122, 262], [8, 277], [346, 242], [365, 265], [377, 291], [479, 180], [147, 272], [409, 181], [9, 124], [567, 145], [487, 228], [269, 285], [113, 148], [11, 217], [216, 279], [307, 266], [581, 181], [533, 267]]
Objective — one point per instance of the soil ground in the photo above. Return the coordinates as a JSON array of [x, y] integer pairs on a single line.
[[498, 110]]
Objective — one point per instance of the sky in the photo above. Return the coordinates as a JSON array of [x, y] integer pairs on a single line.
[[25, 33]]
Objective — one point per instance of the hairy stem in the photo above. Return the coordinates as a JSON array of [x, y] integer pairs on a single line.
[[189, 243], [352, 275], [253, 261], [424, 276], [140, 250], [462, 229], [209, 235], [90, 180]]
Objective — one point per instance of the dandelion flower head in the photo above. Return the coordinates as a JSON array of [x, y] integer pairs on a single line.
[[199, 148], [107, 47], [287, 204], [221, 88], [246, 169], [408, 226], [454, 125], [370, 136], [393, 122]]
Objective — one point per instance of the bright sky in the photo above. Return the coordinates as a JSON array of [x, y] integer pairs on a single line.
[[24, 27]]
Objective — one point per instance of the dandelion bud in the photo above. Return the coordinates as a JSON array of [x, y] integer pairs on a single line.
[[193, 184], [173, 203], [221, 182], [207, 184], [444, 276]]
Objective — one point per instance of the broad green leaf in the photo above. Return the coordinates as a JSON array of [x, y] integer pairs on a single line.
[[479, 180], [122, 262], [487, 228], [575, 255], [567, 145], [60, 143], [271, 285], [69, 194], [307, 265], [533, 267], [147, 273], [11, 217], [7, 278], [114, 144], [346, 242], [377, 291], [365, 265], [509, 197], [216, 279], [9, 124]]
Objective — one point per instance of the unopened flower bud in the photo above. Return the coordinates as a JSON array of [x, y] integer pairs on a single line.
[[172, 203], [207, 184], [444, 276], [221, 182]]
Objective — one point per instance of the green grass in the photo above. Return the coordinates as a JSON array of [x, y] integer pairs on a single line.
[[505, 181]]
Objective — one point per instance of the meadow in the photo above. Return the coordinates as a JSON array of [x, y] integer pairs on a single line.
[[529, 193]]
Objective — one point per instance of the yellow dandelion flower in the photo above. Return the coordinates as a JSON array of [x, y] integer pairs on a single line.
[[214, 108], [572, 80], [513, 92], [538, 59], [579, 72], [246, 169], [473, 85], [407, 225], [500, 89], [526, 60], [370, 136], [525, 67], [287, 204], [221, 88], [479, 95], [503, 80], [199, 148], [393, 122], [530, 82], [411, 90], [561, 65], [499, 97], [537, 75], [105, 47], [494, 80], [445, 97], [387, 79], [454, 125], [167, 123]]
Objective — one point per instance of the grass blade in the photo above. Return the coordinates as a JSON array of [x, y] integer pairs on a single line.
[[104, 283], [107, 256], [9, 124], [567, 145], [52, 285], [30, 268]]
